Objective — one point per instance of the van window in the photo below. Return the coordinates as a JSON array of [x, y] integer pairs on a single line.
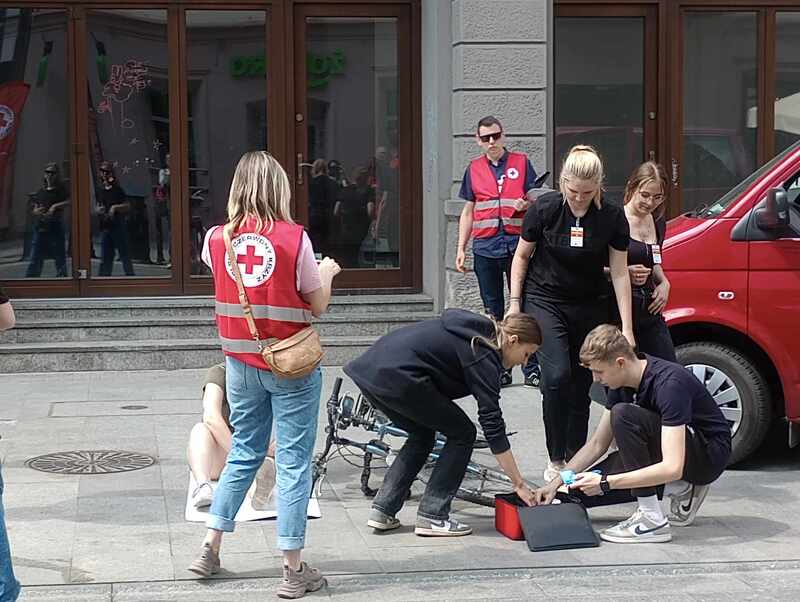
[[718, 207], [792, 188]]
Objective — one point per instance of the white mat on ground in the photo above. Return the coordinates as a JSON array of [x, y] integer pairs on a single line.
[[246, 512]]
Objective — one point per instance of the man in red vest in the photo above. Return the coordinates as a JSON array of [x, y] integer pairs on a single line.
[[495, 187]]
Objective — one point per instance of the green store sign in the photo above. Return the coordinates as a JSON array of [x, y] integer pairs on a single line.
[[319, 68]]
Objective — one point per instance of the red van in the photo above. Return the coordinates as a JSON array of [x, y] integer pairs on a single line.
[[734, 308]]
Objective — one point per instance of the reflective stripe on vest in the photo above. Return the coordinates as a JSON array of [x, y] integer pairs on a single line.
[[239, 345], [491, 210], [265, 312], [269, 266]]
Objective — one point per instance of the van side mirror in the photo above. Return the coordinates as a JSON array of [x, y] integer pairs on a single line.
[[775, 212]]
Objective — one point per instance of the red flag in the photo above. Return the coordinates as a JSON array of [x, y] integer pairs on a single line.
[[12, 98]]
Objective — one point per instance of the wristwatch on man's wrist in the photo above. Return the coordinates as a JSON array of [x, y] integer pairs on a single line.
[[604, 485]]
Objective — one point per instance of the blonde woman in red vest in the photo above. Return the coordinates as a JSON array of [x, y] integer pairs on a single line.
[[495, 188], [285, 288]]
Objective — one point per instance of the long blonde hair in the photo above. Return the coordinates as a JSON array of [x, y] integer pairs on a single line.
[[524, 326], [260, 189], [647, 172], [583, 163]]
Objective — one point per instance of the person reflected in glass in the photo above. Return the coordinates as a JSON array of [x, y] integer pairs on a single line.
[[352, 218], [162, 211], [321, 197], [112, 207], [49, 238], [387, 210]]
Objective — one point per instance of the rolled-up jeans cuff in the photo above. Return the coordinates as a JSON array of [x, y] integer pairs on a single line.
[[220, 524], [291, 543]]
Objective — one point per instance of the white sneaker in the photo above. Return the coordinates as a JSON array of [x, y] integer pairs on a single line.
[[639, 528], [202, 495], [553, 469], [265, 484], [683, 506]]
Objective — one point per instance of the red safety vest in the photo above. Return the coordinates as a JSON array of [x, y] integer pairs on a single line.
[[268, 264], [494, 201]]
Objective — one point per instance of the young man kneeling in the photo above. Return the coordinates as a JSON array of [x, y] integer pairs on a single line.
[[668, 430]]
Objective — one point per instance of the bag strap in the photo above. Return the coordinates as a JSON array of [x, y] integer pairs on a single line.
[[243, 301]]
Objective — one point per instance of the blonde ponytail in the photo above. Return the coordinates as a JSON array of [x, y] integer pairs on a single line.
[[583, 163]]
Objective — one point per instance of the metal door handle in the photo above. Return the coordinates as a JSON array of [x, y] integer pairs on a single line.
[[675, 172], [300, 169], [652, 155]]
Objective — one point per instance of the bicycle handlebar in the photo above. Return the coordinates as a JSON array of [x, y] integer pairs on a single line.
[[337, 384]]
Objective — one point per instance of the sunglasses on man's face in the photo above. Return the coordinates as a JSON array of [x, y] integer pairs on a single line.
[[491, 136]]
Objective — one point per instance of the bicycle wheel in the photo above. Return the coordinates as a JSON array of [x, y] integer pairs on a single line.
[[479, 485]]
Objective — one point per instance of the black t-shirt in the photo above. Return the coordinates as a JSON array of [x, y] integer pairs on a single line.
[[560, 272], [640, 253], [353, 213], [679, 398], [107, 197], [45, 199], [436, 358]]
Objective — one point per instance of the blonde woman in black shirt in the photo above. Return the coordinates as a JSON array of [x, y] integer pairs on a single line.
[[558, 276]]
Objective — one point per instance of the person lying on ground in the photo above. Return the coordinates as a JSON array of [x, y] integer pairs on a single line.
[[210, 442]]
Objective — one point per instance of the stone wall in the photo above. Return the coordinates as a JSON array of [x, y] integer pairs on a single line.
[[500, 67]]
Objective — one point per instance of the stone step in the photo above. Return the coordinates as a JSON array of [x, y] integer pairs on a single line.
[[73, 356], [33, 310], [187, 327]]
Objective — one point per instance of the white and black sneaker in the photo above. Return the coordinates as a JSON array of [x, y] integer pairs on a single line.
[[639, 528], [441, 528], [380, 521], [683, 506]]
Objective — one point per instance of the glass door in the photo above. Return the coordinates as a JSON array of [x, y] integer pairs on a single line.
[[606, 86], [353, 170]]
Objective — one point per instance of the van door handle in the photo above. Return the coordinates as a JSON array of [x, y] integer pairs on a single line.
[[726, 295]]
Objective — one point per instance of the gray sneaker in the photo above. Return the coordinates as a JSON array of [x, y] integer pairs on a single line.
[[683, 506], [207, 563], [441, 528], [639, 528], [381, 521], [265, 484], [297, 584]]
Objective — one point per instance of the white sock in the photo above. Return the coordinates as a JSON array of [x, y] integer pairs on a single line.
[[651, 507]]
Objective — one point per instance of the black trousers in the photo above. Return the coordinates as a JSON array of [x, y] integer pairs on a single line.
[[650, 330], [638, 435], [565, 383], [421, 415]]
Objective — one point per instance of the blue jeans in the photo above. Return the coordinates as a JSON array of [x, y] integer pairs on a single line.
[[255, 398], [9, 586], [490, 272]]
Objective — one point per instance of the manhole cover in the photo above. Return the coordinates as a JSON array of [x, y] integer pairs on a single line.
[[90, 462]]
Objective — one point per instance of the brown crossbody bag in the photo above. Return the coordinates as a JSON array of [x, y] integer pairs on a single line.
[[293, 357]]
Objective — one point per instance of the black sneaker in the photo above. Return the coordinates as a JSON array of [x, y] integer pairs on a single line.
[[506, 379], [532, 379]]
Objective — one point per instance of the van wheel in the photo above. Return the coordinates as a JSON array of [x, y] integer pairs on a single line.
[[739, 389]]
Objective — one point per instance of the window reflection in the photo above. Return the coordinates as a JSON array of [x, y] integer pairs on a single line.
[[351, 105], [127, 74], [599, 90], [35, 208], [227, 69], [787, 80], [719, 104]]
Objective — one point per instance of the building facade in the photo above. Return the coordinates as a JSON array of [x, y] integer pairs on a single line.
[[370, 106]]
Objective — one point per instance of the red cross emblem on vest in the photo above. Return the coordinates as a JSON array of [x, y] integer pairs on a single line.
[[255, 256]]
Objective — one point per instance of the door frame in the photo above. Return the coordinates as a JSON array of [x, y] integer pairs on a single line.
[[408, 276]]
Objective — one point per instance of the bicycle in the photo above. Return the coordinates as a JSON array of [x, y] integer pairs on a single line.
[[480, 485]]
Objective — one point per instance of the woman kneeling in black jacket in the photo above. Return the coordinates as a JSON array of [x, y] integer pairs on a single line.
[[413, 375]]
